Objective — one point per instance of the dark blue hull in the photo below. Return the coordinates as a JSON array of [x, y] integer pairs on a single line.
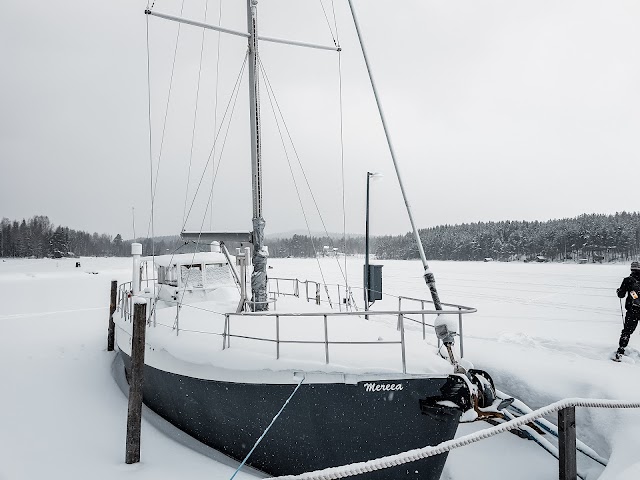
[[324, 425]]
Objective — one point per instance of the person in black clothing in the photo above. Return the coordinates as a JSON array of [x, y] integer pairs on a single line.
[[630, 286]]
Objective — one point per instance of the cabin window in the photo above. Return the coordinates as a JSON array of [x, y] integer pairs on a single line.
[[191, 276], [168, 276], [218, 274]]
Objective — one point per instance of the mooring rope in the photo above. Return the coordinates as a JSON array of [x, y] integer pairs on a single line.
[[522, 409], [267, 429], [429, 451]]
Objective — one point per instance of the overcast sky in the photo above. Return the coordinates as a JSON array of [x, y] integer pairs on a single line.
[[497, 110]]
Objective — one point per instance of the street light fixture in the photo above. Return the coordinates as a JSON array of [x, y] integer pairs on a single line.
[[367, 275]]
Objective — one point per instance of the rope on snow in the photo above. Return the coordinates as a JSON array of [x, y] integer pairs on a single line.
[[429, 451]]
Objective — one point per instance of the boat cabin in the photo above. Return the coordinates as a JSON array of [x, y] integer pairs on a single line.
[[196, 275]]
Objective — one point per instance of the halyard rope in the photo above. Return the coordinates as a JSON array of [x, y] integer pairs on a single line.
[[429, 451]]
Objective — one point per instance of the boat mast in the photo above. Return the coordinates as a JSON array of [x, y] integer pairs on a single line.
[[259, 275], [428, 275], [256, 237]]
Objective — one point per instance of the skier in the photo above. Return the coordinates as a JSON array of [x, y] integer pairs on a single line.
[[631, 288]]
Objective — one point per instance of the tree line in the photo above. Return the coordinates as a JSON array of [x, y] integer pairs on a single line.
[[307, 246], [587, 238], [38, 237]]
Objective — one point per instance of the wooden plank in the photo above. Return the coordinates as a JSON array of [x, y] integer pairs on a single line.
[[136, 382], [112, 309], [567, 444]]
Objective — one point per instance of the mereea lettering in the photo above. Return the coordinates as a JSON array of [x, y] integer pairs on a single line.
[[382, 387]]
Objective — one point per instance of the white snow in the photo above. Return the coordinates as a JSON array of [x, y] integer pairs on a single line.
[[544, 331], [62, 415]]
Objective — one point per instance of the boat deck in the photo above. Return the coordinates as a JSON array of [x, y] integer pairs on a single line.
[[296, 336]]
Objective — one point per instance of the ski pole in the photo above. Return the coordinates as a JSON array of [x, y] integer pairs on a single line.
[[621, 312]]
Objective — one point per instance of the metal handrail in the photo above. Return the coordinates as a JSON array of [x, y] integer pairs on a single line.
[[318, 300], [460, 326], [401, 314], [297, 281], [431, 301], [359, 313], [125, 307]]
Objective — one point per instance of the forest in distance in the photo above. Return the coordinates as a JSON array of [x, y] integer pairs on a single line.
[[588, 237]]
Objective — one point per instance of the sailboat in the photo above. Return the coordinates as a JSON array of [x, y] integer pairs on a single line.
[[215, 360]]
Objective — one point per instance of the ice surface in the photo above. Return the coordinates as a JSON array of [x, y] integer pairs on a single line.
[[61, 416], [544, 331]]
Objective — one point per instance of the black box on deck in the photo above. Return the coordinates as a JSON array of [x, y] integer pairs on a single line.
[[375, 282]]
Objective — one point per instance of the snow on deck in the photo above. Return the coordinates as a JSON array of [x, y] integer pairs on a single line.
[[201, 325]]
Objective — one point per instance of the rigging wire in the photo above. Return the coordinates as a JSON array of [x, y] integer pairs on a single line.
[[344, 214], [326, 17], [133, 220], [153, 249], [195, 114], [284, 123], [270, 95], [164, 126], [208, 204], [153, 183], [235, 91], [215, 110], [232, 102]]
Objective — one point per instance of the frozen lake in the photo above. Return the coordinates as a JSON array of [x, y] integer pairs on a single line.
[[544, 331]]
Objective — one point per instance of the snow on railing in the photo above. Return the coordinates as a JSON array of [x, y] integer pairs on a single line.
[[567, 457], [294, 287], [125, 307], [400, 314]]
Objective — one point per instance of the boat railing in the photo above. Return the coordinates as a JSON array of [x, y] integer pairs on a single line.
[[403, 315], [124, 302], [313, 291], [320, 293], [461, 309]]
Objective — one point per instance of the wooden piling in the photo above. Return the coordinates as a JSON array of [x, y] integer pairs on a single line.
[[567, 444], [112, 309], [136, 381]]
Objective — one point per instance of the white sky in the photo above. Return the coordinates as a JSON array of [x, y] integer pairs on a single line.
[[497, 109]]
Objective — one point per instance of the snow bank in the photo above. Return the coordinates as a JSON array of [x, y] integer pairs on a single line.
[[544, 331], [62, 414]]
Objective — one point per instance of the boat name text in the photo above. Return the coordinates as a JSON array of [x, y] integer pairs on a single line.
[[373, 387]]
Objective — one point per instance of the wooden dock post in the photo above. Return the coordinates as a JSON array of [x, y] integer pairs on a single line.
[[567, 444], [136, 381], [112, 309]]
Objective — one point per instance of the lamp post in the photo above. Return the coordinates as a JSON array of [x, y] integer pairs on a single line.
[[375, 176]]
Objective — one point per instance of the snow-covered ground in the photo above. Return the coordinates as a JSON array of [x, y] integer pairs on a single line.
[[544, 331]]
